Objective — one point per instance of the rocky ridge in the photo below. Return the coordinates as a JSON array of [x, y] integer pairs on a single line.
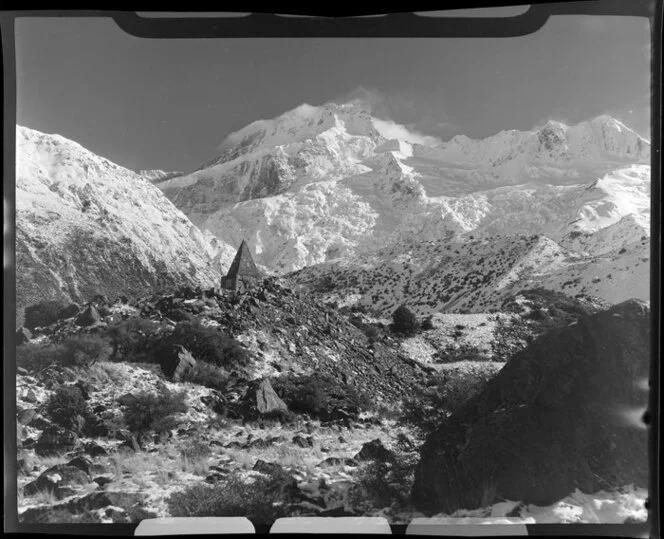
[[476, 275], [86, 226]]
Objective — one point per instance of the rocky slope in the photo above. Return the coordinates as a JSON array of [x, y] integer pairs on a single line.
[[86, 226], [476, 275], [321, 183], [83, 460]]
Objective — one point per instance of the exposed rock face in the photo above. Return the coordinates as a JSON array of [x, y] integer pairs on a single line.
[[267, 400], [185, 362], [556, 418]]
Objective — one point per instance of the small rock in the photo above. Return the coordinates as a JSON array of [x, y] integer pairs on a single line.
[[266, 467], [30, 396], [82, 463], [88, 317], [102, 480], [374, 450], [56, 440], [25, 417], [337, 512], [23, 335], [101, 499], [95, 450], [336, 461], [301, 441], [215, 477]]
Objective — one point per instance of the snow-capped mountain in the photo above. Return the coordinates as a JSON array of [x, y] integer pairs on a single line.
[[321, 183], [87, 226]]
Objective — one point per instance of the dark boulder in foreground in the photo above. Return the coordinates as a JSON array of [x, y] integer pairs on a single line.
[[556, 418]]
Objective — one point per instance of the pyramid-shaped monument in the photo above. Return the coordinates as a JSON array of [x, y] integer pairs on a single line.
[[243, 271]]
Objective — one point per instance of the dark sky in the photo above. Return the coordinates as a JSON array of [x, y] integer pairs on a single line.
[[169, 104]]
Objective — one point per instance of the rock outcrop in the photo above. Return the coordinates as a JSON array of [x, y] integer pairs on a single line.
[[562, 414], [267, 400]]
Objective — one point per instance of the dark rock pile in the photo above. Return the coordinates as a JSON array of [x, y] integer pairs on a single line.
[[553, 420], [303, 333]]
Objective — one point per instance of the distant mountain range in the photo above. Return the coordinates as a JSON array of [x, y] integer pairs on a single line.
[[320, 189], [321, 183]]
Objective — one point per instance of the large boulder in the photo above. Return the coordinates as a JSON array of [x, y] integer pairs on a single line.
[[267, 400], [556, 418]]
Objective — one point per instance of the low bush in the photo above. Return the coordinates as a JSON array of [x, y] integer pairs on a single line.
[[262, 501], [464, 352], [320, 396], [36, 357], [195, 450], [77, 351], [207, 344], [135, 339], [426, 409], [43, 313], [67, 407], [207, 375], [404, 321], [152, 413], [83, 350]]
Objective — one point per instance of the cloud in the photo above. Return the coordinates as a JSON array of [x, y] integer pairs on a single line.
[[393, 130], [388, 109]]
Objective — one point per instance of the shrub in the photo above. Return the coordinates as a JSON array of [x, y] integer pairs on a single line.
[[195, 450], [43, 313], [134, 339], [36, 357], [445, 393], [263, 501], [465, 352], [404, 321], [67, 407], [383, 484], [80, 350], [83, 350], [148, 412], [371, 331], [320, 396], [208, 344], [207, 375]]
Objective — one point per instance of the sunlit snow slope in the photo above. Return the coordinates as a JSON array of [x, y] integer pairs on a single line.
[[86, 226], [321, 183]]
